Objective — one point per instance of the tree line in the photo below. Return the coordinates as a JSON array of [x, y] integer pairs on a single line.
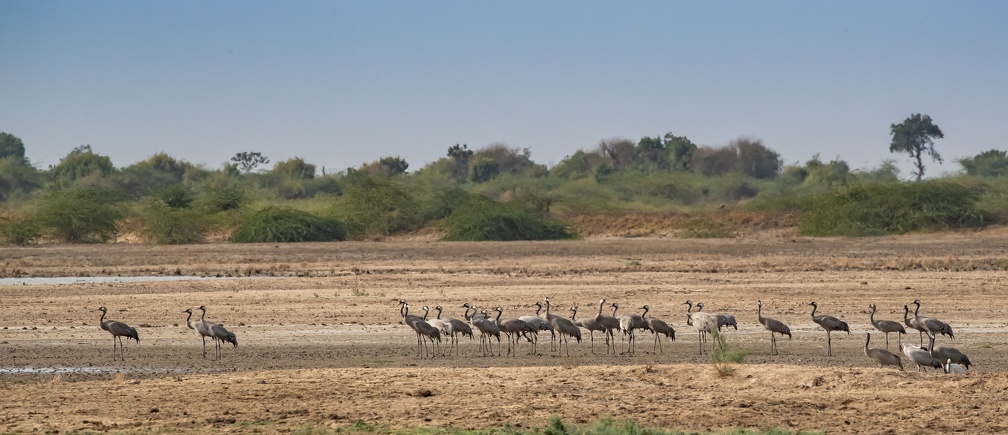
[[499, 189]]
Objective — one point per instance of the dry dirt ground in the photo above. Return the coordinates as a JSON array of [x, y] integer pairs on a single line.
[[322, 344]]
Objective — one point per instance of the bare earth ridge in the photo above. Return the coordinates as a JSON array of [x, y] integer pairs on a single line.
[[322, 344]]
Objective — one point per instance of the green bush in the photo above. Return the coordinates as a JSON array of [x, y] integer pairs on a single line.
[[80, 215], [892, 208], [377, 206], [285, 225], [226, 197], [19, 231], [169, 225], [480, 219]]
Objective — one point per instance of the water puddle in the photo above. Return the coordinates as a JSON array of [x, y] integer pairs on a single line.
[[83, 371]]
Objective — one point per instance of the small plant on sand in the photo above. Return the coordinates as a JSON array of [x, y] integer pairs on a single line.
[[356, 290], [722, 357]]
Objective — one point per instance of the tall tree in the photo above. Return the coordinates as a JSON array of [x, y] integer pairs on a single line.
[[248, 161], [916, 136], [12, 146]]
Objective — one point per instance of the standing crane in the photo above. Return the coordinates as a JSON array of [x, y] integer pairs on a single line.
[[610, 323], [773, 325], [564, 326], [658, 328], [830, 324], [218, 333], [200, 327], [118, 331], [588, 323], [887, 326], [702, 322], [629, 322]]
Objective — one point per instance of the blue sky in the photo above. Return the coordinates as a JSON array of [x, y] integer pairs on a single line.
[[340, 83]]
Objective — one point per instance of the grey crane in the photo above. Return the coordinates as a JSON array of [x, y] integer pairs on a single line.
[[564, 326], [538, 324], [887, 326], [920, 357], [773, 325], [948, 354], [432, 331], [924, 324], [200, 327], [722, 319], [657, 327], [628, 323], [118, 331], [588, 323], [542, 324], [454, 327], [610, 323], [884, 357], [218, 333], [514, 328], [414, 322], [488, 328], [437, 324], [830, 324], [931, 325], [702, 322]]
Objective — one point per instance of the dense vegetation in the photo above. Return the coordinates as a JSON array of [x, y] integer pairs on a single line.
[[492, 193]]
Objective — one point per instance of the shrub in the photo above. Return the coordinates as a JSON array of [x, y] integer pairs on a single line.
[[375, 206], [479, 218], [892, 208], [19, 231], [170, 225], [285, 225], [80, 214], [722, 357]]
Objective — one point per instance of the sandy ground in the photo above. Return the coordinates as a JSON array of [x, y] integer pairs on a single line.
[[322, 344]]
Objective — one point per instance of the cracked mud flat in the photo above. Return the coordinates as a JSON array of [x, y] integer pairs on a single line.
[[322, 343]]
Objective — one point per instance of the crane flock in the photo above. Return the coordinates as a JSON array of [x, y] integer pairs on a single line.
[[528, 327], [432, 332], [216, 332]]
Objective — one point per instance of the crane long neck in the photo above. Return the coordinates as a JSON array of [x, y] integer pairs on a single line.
[[645, 312], [759, 312], [871, 317], [916, 310], [499, 312], [867, 340], [102, 319], [573, 314], [600, 304], [188, 320], [438, 313], [814, 307]]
